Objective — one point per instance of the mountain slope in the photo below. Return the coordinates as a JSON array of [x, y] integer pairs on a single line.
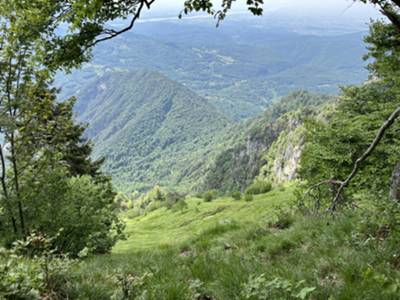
[[246, 149], [152, 130], [241, 67]]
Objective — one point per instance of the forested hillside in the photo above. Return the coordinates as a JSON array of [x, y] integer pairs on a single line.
[[250, 146], [151, 129], [171, 137]]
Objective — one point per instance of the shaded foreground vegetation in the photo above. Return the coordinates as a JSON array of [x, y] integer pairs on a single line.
[[229, 249]]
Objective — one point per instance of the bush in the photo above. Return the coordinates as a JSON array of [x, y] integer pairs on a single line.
[[122, 202], [154, 205], [43, 273], [259, 187], [284, 221], [181, 205], [278, 288], [210, 195], [77, 211], [174, 198], [248, 197], [236, 195], [156, 194]]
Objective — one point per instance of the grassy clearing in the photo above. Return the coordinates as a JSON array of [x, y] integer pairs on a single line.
[[229, 249], [168, 228]]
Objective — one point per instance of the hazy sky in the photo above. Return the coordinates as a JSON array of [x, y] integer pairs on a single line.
[[303, 7]]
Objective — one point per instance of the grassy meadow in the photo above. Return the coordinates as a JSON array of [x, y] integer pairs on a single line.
[[237, 249]]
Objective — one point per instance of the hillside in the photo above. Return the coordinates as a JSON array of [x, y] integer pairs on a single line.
[[242, 67], [171, 137], [151, 129], [247, 150], [232, 249]]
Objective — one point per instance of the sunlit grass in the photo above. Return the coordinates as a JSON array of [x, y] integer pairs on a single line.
[[165, 227], [221, 244]]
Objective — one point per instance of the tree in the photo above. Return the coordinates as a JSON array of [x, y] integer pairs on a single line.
[[384, 51], [389, 8], [48, 155], [337, 141], [39, 136]]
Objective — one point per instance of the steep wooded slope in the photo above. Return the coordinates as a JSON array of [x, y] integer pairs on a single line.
[[247, 151], [151, 129]]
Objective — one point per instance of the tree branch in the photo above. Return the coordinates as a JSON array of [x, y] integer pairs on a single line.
[[385, 126], [113, 33]]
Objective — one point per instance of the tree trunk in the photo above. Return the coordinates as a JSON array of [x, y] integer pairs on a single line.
[[5, 191], [395, 185]]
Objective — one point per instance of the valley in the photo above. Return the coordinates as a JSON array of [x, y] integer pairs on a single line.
[[219, 85], [241, 151]]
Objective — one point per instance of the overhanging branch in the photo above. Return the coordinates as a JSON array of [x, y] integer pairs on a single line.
[[385, 126], [110, 33]]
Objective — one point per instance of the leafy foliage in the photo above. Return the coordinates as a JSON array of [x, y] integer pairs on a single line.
[[248, 197], [49, 180], [260, 288], [333, 146], [254, 6], [42, 275], [259, 187], [79, 206], [209, 195], [236, 195]]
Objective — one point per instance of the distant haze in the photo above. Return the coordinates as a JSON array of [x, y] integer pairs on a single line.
[[299, 7]]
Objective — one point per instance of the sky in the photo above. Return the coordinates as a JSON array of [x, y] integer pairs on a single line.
[[347, 8]]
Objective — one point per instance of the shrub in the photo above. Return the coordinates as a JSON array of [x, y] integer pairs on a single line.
[[259, 187], [77, 211], [278, 288], [173, 198], [154, 205], [181, 205], [210, 195], [285, 220], [122, 202], [130, 286], [248, 197], [236, 195], [43, 273]]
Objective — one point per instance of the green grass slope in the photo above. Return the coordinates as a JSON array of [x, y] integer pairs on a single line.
[[170, 228], [229, 249]]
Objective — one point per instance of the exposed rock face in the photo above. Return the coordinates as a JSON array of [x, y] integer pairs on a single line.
[[270, 146], [272, 153], [283, 157], [285, 167]]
